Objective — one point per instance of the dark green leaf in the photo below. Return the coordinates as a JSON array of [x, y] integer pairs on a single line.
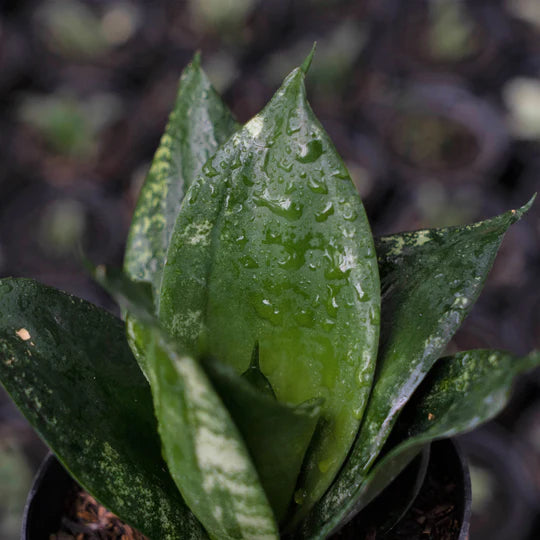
[[205, 453], [460, 393], [68, 367], [277, 435], [429, 281], [272, 245], [306, 64], [198, 124]]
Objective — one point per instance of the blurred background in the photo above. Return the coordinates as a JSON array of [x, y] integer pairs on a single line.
[[434, 105]]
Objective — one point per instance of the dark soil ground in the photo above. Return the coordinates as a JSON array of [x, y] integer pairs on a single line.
[[433, 105]]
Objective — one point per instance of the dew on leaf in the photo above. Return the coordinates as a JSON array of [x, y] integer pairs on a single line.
[[247, 181], [310, 152], [283, 207], [341, 174], [241, 240], [325, 213], [209, 171], [248, 262], [317, 186], [300, 496], [286, 165], [324, 465], [293, 123]]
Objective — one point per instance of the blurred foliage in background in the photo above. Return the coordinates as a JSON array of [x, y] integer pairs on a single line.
[[434, 104]]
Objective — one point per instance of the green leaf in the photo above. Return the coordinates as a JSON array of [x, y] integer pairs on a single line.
[[276, 434], [429, 281], [204, 450], [306, 64], [67, 366], [460, 393], [198, 124], [272, 245]]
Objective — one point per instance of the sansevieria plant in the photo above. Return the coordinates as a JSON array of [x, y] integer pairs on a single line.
[[271, 346]]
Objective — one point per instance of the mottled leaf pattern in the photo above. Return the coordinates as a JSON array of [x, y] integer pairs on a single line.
[[67, 366], [272, 245], [205, 453], [277, 435], [198, 124]]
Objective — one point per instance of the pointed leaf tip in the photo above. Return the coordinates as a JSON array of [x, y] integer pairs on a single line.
[[531, 361], [527, 206], [307, 62], [518, 213], [196, 62]]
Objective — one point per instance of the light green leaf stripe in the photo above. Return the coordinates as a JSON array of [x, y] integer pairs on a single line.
[[276, 434], [429, 281], [198, 124], [67, 366], [205, 453], [272, 245], [460, 393]]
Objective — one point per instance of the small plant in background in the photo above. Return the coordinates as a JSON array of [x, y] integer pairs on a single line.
[[281, 365], [68, 125]]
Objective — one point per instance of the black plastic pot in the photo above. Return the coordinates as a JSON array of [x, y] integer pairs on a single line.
[[46, 500], [52, 485]]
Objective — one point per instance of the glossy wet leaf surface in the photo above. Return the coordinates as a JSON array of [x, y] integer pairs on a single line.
[[429, 281], [67, 366], [205, 453], [460, 393], [272, 246], [198, 124]]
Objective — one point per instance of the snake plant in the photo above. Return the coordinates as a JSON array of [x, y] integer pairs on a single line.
[[277, 366]]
